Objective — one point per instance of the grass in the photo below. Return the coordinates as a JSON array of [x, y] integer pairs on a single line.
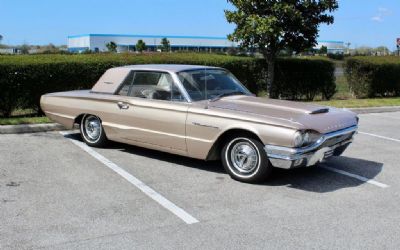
[[24, 116], [24, 120], [361, 103], [342, 89]]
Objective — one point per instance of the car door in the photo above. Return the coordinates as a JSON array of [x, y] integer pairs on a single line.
[[152, 110]]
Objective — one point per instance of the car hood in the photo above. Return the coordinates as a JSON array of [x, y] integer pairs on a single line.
[[302, 115]]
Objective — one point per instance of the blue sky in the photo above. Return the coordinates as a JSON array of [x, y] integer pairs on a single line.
[[360, 22]]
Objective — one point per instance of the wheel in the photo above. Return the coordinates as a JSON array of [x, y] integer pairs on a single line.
[[92, 131], [245, 160]]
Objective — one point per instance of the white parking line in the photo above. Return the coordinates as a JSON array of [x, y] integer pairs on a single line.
[[358, 177], [182, 214], [379, 136], [385, 116]]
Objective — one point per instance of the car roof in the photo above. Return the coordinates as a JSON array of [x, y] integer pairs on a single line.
[[168, 67]]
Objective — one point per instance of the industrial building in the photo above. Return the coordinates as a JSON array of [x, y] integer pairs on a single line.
[[334, 47], [125, 43], [97, 42]]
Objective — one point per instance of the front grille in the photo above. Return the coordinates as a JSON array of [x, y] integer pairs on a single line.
[[328, 153], [337, 139]]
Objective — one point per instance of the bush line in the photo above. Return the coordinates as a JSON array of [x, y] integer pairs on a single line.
[[23, 79], [373, 76]]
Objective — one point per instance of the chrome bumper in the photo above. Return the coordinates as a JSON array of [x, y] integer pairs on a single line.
[[285, 157]]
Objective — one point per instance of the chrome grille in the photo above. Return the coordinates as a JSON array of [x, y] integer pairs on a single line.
[[337, 139]]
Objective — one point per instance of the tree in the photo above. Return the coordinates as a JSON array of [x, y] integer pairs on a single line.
[[165, 46], [271, 26], [111, 46], [24, 48], [382, 50], [1, 38], [140, 45], [323, 50]]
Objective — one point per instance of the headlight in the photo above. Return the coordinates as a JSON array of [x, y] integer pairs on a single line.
[[305, 138], [298, 139]]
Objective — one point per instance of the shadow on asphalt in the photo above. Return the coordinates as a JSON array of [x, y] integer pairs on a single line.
[[320, 180], [313, 179]]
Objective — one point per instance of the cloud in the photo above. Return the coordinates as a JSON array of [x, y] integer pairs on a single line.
[[377, 18], [382, 13]]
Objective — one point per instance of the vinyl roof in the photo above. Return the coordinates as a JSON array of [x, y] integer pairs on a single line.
[[168, 67]]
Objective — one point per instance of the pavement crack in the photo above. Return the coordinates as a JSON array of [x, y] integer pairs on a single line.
[[13, 184]]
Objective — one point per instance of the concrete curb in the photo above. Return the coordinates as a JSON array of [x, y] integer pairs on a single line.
[[30, 128], [376, 109]]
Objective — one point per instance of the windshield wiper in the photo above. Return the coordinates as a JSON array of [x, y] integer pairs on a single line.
[[216, 98]]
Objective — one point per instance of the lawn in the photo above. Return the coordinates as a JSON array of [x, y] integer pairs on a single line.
[[24, 116], [24, 120], [362, 103]]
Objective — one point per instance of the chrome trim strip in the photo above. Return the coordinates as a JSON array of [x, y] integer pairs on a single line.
[[124, 127], [60, 115]]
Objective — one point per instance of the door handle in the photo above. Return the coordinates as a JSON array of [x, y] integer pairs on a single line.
[[122, 105]]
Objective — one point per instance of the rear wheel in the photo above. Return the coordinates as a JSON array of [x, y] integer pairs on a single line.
[[245, 160], [92, 131]]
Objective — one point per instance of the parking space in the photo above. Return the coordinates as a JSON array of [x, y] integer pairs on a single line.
[[55, 193]]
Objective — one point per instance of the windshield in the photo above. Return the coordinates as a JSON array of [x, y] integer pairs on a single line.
[[210, 83]]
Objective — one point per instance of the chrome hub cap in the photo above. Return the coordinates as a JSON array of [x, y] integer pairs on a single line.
[[244, 157], [92, 128]]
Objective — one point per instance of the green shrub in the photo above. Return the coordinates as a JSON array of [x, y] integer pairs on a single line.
[[335, 56], [297, 79], [24, 78], [373, 76]]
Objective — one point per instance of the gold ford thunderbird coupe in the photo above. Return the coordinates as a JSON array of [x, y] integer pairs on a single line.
[[205, 113]]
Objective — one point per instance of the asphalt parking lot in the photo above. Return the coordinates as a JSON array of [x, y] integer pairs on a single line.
[[56, 193]]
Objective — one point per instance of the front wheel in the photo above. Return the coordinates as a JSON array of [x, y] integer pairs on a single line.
[[245, 160], [92, 131]]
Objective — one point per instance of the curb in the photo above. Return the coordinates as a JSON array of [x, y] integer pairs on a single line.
[[376, 109], [30, 128]]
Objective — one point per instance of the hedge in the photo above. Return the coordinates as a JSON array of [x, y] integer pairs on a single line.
[[373, 76], [304, 79], [24, 78]]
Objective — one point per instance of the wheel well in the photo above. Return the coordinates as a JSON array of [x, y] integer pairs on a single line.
[[214, 153], [78, 119]]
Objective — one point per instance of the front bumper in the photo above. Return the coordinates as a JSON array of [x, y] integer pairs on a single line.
[[329, 144]]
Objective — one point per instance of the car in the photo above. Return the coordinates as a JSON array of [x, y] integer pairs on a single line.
[[205, 113]]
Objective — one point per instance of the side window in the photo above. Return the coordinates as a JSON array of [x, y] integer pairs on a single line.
[[151, 85], [126, 85]]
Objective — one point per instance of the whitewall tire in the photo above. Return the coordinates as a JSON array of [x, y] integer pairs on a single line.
[[245, 160], [92, 131]]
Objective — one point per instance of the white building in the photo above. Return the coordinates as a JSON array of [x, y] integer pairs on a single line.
[[334, 47], [10, 51], [97, 42]]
